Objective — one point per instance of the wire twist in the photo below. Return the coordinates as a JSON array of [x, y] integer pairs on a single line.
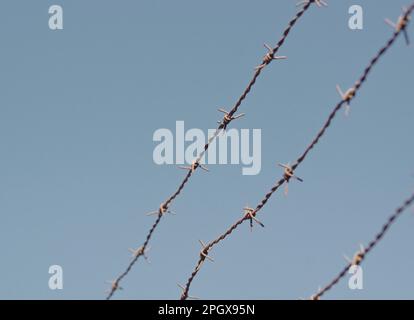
[[346, 99], [227, 119], [361, 255]]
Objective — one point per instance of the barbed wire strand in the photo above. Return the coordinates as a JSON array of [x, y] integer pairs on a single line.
[[361, 255], [227, 119], [250, 214]]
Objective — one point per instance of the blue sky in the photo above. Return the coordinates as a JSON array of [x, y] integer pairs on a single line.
[[78, 108]]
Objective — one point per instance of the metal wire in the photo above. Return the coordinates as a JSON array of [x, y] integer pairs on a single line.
[[361, 255], [346, 99], [227, 119]]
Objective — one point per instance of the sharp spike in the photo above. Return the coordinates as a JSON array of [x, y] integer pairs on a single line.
[[347, 259], [390, 23], [338, 88]]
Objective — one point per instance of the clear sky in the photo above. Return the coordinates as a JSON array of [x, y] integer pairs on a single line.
[[79, 106]]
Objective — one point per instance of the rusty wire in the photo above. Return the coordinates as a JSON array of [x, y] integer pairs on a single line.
[[288, 173], [227, 119], [361, 255]]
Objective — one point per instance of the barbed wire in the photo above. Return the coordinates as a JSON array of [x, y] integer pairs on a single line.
[[250, 213], [360, 256], [223, 124]]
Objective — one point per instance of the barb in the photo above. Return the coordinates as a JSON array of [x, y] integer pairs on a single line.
[[289, 170], [319, 3], [401, 24], [227, 119], [362, 253]]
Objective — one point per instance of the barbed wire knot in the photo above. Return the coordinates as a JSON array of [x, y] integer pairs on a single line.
[[250, 214], [269, 57], [401, 24], [319, 3], [346, 97], [204, 252], [288, 172], [317, 295], [358, 257], [140, 252], [184, 293], [228, 118], [114, 286], [161, 211], [194, 166], [287, 175]]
